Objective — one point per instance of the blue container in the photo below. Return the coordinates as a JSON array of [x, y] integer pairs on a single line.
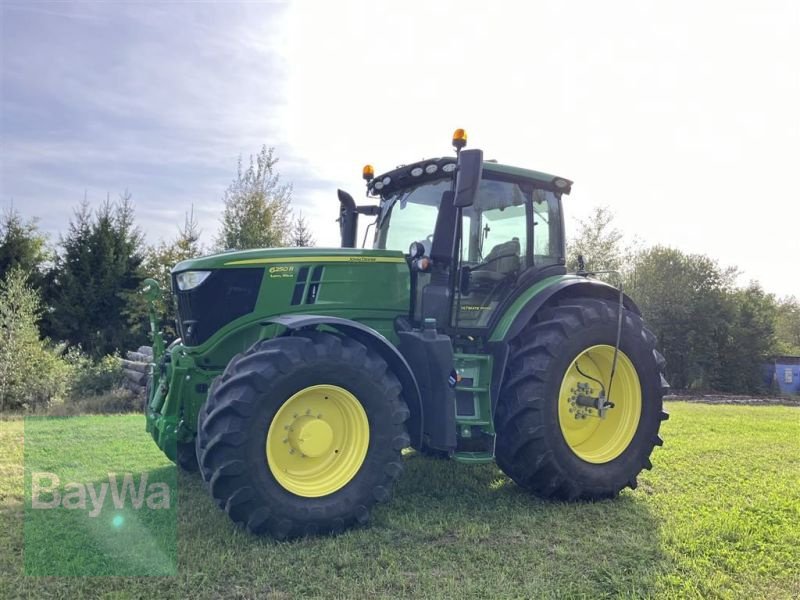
[[785, 372]]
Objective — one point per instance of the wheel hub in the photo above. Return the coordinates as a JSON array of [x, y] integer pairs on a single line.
[[317, 440], [311, 436], [582, 400]]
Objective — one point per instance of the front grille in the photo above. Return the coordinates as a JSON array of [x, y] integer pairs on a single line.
[[225, 295]]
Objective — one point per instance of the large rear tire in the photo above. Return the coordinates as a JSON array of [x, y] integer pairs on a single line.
[[302, 435], [549, 443]]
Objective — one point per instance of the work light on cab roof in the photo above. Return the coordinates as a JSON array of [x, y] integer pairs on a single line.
[[301, 374]]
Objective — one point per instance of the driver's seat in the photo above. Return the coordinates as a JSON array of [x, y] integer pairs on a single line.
[[502, 261]]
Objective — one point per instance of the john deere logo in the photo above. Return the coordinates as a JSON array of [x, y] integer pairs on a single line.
[[281, 271]]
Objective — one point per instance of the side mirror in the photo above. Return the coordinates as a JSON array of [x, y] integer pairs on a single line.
[[151, 290], [470, 169]]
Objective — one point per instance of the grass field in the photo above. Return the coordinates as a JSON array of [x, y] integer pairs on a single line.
[[718, 517]]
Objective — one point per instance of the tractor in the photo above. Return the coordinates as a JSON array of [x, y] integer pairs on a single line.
[[302, 375]]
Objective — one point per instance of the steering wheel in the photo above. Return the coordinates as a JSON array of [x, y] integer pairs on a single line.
[[491, 260]]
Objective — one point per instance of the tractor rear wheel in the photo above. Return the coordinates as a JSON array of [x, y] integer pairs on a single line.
[[561, 432], [302, 435]]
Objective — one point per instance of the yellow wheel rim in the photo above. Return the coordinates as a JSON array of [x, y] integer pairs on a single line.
[[592, 438], [317, 441]]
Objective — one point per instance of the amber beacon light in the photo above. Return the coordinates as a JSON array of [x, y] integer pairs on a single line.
[[459, 139]]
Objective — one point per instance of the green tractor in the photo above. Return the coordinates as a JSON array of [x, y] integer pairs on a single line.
[[302, 374]]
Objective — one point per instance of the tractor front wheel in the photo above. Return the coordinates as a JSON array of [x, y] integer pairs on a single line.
[[302, 435], [562, 432]]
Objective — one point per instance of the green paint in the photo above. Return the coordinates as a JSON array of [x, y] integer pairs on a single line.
[[502, 327], [295, 256], [476, 380], [369, 286], [519, 172]]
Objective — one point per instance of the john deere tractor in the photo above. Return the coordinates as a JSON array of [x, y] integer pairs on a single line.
[[302, 374]]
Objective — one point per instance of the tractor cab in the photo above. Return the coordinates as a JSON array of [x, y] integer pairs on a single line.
[[476, 236], [508, 234]]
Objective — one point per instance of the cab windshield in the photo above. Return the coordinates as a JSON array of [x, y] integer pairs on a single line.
[[409, 215], [508, 219]]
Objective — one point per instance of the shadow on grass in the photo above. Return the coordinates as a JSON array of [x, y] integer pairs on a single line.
[[469, 525]]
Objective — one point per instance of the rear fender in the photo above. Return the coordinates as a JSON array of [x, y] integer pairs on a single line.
[[527, 304]]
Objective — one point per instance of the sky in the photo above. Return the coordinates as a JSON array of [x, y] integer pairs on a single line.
[[680, 116]]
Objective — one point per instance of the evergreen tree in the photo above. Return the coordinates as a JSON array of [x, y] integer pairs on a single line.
[[22, 245], [257, 206], [301, 234], [96, 278]]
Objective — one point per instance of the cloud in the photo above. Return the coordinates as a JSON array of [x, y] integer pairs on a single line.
[[680, 116], [158, 99]]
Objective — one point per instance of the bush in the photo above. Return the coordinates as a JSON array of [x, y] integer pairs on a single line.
[[92, 378], [115, 401], [32, 373]]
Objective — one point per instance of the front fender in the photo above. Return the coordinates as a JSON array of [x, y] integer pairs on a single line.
[[375, 341]]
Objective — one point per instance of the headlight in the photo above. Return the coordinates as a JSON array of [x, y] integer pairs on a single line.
[[431, 169], [416, 250], [188, 280]]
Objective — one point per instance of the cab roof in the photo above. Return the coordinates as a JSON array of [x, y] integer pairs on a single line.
[[402, 177]]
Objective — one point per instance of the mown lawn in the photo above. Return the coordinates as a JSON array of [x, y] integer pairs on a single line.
[[719, 516]]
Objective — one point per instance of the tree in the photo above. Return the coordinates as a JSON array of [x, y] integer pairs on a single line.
[[158, 264], [22, 245], [96, 278], [750, 342], [787, 326], [301, 234], [598, 241], [257, 207], [31, 374], [684, 298]]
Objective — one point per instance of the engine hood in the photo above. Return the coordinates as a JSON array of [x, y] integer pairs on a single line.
[[280, 256]]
